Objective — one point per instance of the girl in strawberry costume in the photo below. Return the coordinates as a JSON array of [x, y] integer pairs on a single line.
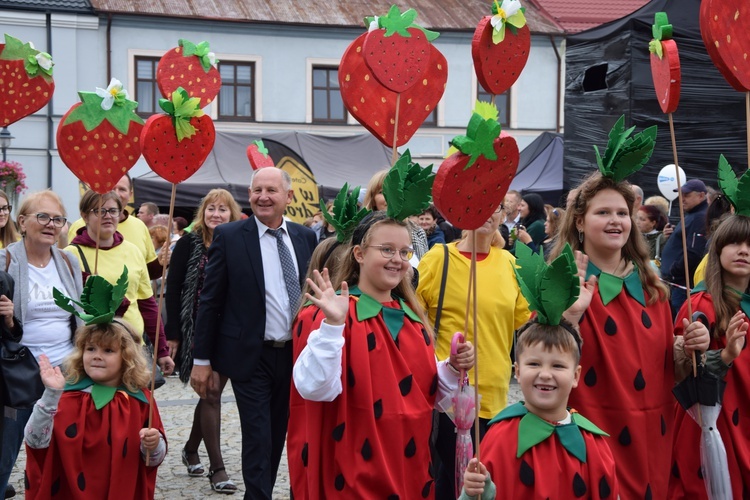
[[88, 436], [366, 377], [632, 356], [723, 297]]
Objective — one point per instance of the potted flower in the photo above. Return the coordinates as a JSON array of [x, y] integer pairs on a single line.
[[12, 180]]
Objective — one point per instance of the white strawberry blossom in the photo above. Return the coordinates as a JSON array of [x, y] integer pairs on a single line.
[[508, 8], [212, 58], [374, 24], [113, 92], [44, 60]]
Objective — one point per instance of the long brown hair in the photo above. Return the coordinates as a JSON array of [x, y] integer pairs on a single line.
[[214, 196], [734, 229], [8, 233], [635, 248]]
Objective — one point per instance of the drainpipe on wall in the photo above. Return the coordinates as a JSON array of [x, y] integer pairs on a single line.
[[559, 84], [50, 121], [109, 48]]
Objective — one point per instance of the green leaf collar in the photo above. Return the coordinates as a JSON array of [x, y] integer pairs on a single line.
[[625, 155], [407, 188], [182, 108], [610, 285], [103, 394], [368, 307], [99, 299], [533, 430], [346, 214]]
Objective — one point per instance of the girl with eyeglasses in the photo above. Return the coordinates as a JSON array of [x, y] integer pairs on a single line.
[[365, 376], [501, 309], [37, 265], [101, 215]]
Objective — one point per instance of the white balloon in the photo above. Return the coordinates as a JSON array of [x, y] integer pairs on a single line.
[[667, 181]]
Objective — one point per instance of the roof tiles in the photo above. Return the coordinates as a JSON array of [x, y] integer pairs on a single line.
[[580, 15], [80, 6]]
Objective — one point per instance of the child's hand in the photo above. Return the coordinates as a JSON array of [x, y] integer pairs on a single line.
[[335, 307], [149, 438], [586, 293], [474, 478], [51, 377], [696, 337], [736, 332]]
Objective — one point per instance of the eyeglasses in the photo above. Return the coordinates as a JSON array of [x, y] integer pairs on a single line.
[[7, 209], [104, 211], [44, 219], [388, 252], [499, 209]]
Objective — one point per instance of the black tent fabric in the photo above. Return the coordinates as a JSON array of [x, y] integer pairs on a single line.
[[609, 74], [540, 168], [332, 160]]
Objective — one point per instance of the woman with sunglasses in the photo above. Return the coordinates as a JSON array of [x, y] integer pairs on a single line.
[[36, 266], [101, 215]]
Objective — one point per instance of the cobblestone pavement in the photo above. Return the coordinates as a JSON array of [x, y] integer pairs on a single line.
[[176, 403]]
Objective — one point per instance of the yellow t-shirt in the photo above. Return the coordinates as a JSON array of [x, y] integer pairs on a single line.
[[501, 309], [132, 229], [700, 271], [110, 266]]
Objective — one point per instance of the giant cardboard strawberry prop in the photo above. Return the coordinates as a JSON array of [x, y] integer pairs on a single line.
[[191, 67], [98, 139], [258, 155], [392, 116], [26, 84], [500, 47], [176, 144], [665, 64], [471, 183], [725, 29]]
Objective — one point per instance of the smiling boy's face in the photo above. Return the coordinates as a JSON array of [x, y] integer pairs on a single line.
[[546, 377]]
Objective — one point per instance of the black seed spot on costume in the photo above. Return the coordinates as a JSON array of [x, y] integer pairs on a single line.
[[675, 471], [700, 473], [81, 482], [71, 431], [434, 386], [299, 328], [663, 426], [304, 455], [125, 448], [426, 336], [645, 319], [370, 341], [315, 314], [393, 497], [55, 489], [378, 408], [604, 489], [610, 327], [624, 437], [526, 474], [405, 385], [411, 448], [590, 378], [579, 486], [639, 383], [736, 417], [350, 381], [338, 483], [26, 483], [338, 432], [109, 438], [367, 450], [427, 488], [647, 496]]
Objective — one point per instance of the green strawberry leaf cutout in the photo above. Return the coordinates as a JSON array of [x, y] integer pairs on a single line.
[[262, 148], [550, 289], [182, 108], [202, 51], [91, 114], [625, 155], [16, 50], [661, 30], [394, 22], [346, 213], [736, 190], [481, 133], [407, 188], [99, 299]]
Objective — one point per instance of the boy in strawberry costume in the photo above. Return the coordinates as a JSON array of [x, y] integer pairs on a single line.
[[529, 439]]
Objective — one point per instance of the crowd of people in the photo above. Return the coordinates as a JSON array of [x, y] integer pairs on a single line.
[[343, 342]]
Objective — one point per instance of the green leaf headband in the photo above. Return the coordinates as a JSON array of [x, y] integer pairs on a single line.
[[346, 214], [99, 299], [550, 289], [736, 190], [661, 30], [625, 155], [407, 188]]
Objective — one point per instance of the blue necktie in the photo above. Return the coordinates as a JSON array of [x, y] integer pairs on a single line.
[[287, 266]]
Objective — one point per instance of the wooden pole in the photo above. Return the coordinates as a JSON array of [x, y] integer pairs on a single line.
[[473, 274], [394, 155]]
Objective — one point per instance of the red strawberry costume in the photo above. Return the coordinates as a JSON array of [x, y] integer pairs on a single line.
[[372, 439], [627, 374], [685, 480], [528, 457], [93, 453]]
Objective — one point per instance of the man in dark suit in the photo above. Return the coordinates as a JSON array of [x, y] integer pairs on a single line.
[[251, 292]]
